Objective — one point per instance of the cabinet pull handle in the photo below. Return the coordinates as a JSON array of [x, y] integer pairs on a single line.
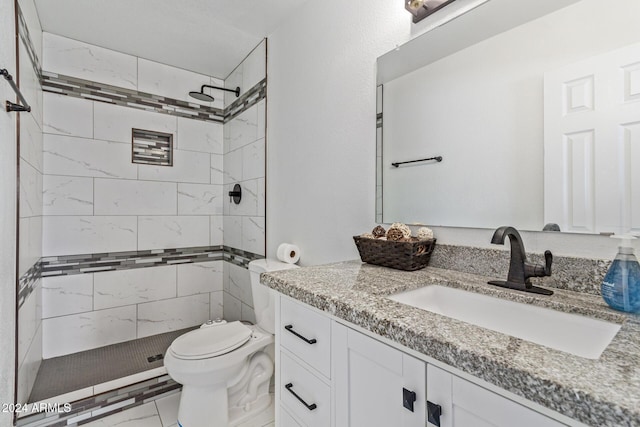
[[408, 399], [309, 407], [307, 340], [433, 413]]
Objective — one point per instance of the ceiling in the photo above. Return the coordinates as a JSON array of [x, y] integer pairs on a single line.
[[207, 36]]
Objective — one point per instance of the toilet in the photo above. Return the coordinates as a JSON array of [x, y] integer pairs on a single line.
[[225, 367]]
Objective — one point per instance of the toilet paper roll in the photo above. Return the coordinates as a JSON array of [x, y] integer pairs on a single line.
[[288, 253]]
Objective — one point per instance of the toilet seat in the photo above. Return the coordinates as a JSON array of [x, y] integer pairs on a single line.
[[211, 341]]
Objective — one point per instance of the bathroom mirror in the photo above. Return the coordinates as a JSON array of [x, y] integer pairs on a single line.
[[473, 92]]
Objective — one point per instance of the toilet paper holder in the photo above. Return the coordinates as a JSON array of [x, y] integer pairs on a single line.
[[236, 194]]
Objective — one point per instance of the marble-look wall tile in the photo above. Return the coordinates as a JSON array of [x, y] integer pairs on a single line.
[[89, 234], [198, 135], [232, 172], [217, 169], [262, 197], [28, 368], [216, 305], [114, 123], [233, 80], [248, 206], [73, 58], [30, 84], [64, 295], [233, 231], [200, 199], [254, 67], [253, 233], [247, 313], [65, 155], [188, 166], [216, 227], [262, 119], [28, 324], [232, 307], [253, 160], [31, 239], [31, 142], [65, 115], [162, 232], [240, 284], [243, 129], [79, 332], [30, 190], [169, 315], [199, 278], [127, 197], [120, 288], [172, 82], [67, 195]]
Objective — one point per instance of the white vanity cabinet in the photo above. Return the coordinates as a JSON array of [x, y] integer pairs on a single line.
[[465, 404], [375, 384], [331, 375]]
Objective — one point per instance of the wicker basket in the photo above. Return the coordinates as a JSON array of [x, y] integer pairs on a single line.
[[409, 256]]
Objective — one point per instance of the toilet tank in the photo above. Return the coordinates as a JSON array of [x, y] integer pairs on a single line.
[[263, 297]]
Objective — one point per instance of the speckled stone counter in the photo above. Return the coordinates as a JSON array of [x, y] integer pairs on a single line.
[[603, 392]]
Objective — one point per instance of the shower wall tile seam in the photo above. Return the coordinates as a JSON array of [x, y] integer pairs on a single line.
[[100, 92], [66, 265]]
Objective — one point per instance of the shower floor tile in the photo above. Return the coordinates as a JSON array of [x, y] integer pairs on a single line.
[[60, 375]]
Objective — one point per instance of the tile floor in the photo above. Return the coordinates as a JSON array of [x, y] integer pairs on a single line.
[[163, 412]]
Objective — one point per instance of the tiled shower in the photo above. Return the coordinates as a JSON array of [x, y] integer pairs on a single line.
[[112, 250]]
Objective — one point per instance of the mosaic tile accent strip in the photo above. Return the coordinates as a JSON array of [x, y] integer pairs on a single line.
[[151, 148], [91, 263], [28, 282], [91, 409], [379, 120], [246, 101], [86, 89], [239, 257], [23, 31], [66, 265]]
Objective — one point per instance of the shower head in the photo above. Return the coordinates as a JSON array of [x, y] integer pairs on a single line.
[[208, 98], [201, 96]]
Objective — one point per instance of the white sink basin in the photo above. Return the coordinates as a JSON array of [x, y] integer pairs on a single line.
[[579, 335]]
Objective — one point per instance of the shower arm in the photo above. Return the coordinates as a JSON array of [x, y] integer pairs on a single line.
[[236, 90]]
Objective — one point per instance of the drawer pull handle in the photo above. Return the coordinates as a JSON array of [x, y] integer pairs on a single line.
[[307, 340], [309, 407]]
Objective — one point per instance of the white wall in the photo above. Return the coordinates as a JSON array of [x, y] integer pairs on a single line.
[[321, 133], [7, 214]]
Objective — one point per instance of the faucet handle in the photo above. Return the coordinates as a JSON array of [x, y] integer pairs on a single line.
[[539, 270]]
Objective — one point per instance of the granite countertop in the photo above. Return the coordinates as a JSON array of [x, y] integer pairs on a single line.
[[602, 392]]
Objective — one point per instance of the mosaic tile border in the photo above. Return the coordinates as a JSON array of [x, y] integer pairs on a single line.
[[101, 92], [66, 265], [105, 404], [23, 31], [29, 282]]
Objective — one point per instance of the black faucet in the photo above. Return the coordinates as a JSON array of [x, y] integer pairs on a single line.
[[520, 270]]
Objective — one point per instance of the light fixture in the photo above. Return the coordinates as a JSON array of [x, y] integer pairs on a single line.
[[208, 98], [420, 9]]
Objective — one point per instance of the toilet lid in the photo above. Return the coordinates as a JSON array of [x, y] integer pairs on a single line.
[[211, 341]]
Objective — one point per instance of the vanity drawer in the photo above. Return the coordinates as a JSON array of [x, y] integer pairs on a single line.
[[306, 334], [303, 394], [287, 420]]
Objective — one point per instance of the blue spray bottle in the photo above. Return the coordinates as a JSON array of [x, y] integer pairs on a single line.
[[621, 285]]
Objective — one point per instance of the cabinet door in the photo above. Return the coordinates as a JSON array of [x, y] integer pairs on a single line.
[[465, 404], [372, 380]]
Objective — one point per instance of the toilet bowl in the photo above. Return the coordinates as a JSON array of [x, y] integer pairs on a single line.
[[225, 368]]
